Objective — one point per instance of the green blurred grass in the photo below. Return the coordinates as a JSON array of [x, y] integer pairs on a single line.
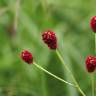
[[70, 20]]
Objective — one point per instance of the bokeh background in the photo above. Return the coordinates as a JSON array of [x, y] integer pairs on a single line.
[[21, 25]]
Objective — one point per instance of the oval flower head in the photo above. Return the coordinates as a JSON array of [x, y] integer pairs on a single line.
[[27, 57], [90, 63], [50, 39], [93, 23]]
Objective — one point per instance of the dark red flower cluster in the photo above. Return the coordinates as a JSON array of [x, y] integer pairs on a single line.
[[50, 39], [27, 57], [90, 63], [93, 23]]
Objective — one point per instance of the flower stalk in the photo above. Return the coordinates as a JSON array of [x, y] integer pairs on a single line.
[[73, 78], [51, 74], [92, 80], [92, 75]]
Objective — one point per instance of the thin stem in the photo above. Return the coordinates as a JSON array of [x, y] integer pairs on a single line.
[[92, 75], [95, 43], [92, 79], [60, 79], [62, 61]]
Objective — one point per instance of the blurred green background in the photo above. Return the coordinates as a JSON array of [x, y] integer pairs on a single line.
[[21, 26]]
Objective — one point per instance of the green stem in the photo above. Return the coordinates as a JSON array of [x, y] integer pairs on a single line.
[[92, 75], [95, 43], [62, 61], [60, 79], [92, 79]]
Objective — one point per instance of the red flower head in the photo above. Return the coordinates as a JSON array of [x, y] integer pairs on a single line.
[[50, 39], [27, 57], [93, 23], [90, 63]]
